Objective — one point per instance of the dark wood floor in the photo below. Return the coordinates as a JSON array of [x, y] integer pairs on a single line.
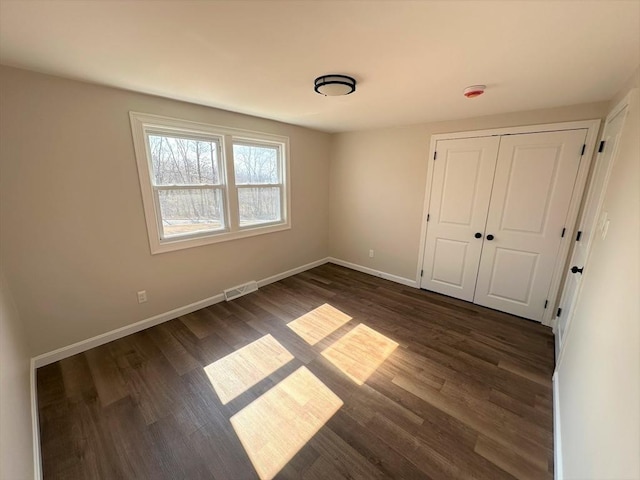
[[467, 394]]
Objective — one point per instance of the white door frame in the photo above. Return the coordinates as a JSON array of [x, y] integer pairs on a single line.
[[591, 195], [592, 127]]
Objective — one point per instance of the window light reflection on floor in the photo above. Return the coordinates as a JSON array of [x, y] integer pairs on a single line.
[[275, 426], [318, 323], [239, 371], [360, 352]]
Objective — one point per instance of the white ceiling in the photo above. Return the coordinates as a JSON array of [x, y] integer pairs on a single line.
[[412, 59]]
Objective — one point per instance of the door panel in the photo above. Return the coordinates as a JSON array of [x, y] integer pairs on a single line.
[[588, 222], [449, 262], [514, 288], [460, 193], [532, 189], [530, 181]]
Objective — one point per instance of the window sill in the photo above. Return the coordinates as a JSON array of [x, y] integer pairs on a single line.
[[172, 245]]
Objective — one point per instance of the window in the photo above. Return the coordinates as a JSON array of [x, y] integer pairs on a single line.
[[203, 184]]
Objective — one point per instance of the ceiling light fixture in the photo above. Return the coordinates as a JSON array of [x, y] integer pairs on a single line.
[[474, 91], [334, 85]]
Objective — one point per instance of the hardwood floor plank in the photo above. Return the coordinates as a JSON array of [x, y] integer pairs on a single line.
[[466, 393], [509, 461], [106, 375], [77, 378], [181, 360], [429, 461], [322, 469], [346, 460], [391, 463], [482, 422]]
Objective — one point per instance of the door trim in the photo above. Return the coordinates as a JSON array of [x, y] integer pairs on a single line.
[[592, 127], [615, 111]]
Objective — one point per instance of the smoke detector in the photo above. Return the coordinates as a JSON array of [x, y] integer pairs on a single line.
[[474, 91]]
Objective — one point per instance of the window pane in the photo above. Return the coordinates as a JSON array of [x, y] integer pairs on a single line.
[[190, 211], [255, 164], [183, 161], [259, 205]]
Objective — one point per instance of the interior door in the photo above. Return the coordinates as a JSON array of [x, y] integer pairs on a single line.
[[589, 225], [532, 189], [460, 192]]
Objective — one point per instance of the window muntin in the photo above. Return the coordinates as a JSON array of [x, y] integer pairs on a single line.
[[203, 184]]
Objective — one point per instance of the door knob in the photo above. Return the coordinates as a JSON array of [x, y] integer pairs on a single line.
[[490, 237], [478, 235], [575, 269]]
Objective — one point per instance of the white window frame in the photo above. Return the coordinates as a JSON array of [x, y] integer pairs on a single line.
[[143, 124]]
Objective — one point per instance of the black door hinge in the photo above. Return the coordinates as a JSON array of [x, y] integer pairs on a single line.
[[421, 272], [579, 235], [564, 230], [435, 155], [559, 312], [584, 147], [601, 147], [546, 302], [428, 217]]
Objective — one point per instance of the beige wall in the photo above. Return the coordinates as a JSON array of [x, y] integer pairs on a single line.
[[74, 243], [16, 443], [599, 373], [377, 185]]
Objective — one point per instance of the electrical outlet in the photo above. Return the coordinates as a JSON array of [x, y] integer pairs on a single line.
[[142, 296], [370, 253]]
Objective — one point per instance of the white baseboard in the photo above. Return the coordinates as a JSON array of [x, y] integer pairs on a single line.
[[35, 423], [293, 271], [84, 345], [557, 437], [375, 273]]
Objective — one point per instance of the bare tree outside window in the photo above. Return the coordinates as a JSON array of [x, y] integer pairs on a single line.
[[203, 184], [186, 174], [259, 182]]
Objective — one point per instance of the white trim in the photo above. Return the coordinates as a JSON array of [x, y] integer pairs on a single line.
[[625, 102], [84, 345], [425, 209], [141, 123], [615, 111], [35, 422], [572, 215], [557, 437], [591, 126], [376, 273], [544, 127], [293, 271]]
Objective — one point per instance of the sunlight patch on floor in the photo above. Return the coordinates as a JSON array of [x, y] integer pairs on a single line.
[[360, 352], [275, 426], [239, 371], [318, 323]]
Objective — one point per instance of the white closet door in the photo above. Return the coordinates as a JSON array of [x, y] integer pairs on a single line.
[[460, 193], [532, 189]]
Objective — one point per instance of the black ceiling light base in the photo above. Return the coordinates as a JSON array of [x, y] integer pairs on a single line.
[[334, 85]]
